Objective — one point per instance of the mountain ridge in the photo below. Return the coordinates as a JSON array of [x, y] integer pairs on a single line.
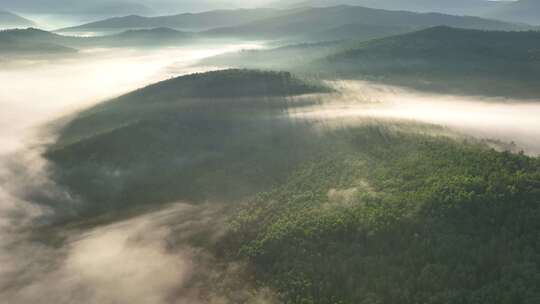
[[191, 21], [312, 20]]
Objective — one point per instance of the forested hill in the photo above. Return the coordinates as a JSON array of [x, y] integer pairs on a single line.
[[195, 137], [472, 61], [28, 35], [316, 20], [217, 88], [375, 212], [452, 43], [31, 42]]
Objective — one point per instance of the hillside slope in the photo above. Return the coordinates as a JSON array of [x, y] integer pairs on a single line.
[[443, 58]]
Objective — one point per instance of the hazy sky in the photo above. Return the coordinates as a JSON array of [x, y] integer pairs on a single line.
[[122, 6]]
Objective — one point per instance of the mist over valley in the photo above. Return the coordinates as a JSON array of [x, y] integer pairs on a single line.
[[213, 152]]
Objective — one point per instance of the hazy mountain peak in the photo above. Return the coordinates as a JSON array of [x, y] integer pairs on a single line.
[[9, 19]]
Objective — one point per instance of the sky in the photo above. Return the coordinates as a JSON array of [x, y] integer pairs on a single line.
[[54, 14]]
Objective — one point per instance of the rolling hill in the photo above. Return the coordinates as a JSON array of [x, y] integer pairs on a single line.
[[449, 59], [10, 20], [310, 22], [30, 39]]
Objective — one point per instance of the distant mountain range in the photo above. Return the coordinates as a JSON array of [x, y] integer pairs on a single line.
[[522, 11], [194, 22], [303, 24], [313, 21], [461, 7], [318, 23], [10, 20]]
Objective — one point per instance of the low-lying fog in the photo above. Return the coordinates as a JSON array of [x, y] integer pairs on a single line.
[[33, 94], [515, 123]]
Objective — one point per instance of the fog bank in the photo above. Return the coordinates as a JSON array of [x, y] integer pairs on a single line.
[[510, 121]]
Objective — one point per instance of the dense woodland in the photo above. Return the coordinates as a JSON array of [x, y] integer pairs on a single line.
[[390, 217]]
